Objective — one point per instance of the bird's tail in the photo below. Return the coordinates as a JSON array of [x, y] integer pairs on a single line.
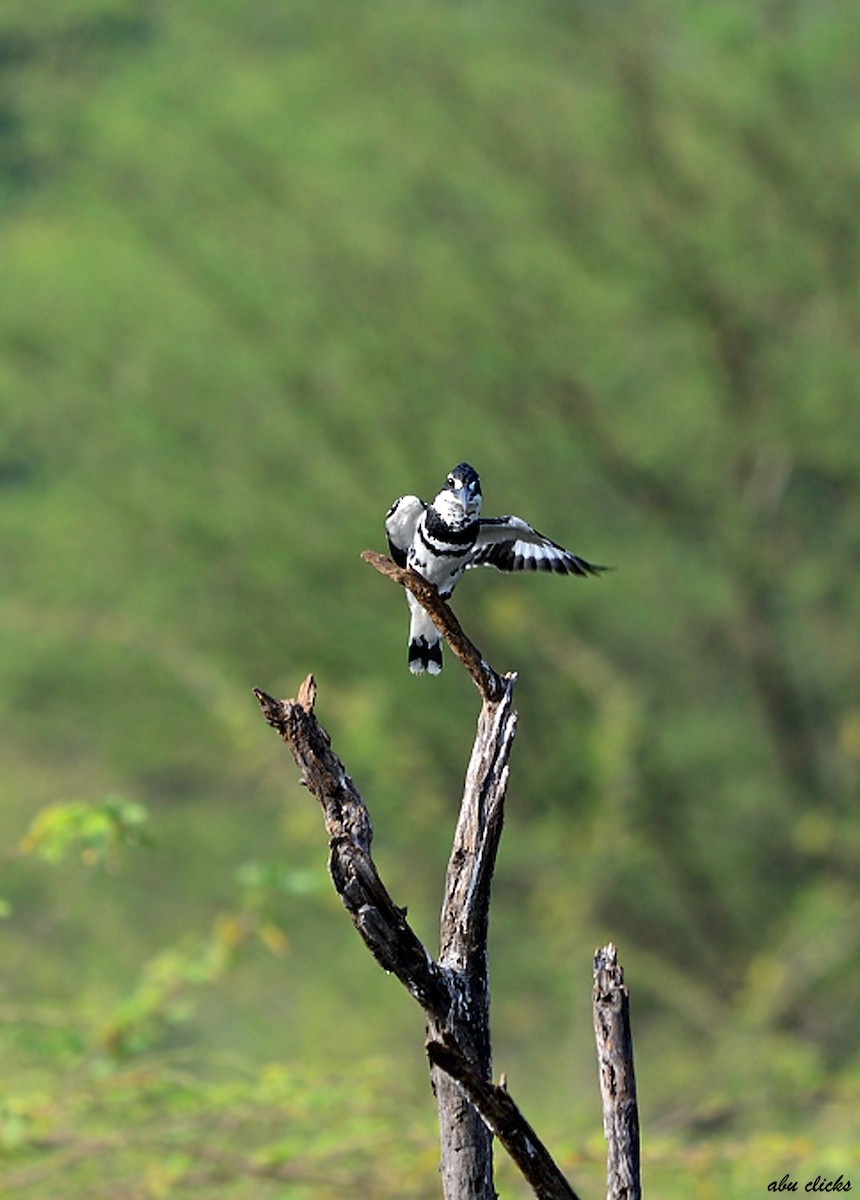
[[425, 645]]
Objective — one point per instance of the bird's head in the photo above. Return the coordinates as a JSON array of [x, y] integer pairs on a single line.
[[459, 502]]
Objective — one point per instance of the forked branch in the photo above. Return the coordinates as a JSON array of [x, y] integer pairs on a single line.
[[453, 991], [383, 926]]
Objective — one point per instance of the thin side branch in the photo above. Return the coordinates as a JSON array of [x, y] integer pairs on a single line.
[[488, 683], [382, 925], [501, 1114], [617, 1078]]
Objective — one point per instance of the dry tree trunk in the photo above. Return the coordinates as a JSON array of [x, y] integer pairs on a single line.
[[467, 1154], [453, 990], [611, 1005]]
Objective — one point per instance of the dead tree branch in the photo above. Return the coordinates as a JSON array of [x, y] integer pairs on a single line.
[[501, 1115], [453, 991], [463, 949], [617, 1078], [381, 924], [488, 683]]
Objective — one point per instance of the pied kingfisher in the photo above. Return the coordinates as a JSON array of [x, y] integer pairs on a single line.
[[441, 540]]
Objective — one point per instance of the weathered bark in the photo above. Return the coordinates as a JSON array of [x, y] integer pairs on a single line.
[[381, 924], [467, 1155], [617, 1079], [501, 1115], [466, 1163], [453, 991], [486, 680]]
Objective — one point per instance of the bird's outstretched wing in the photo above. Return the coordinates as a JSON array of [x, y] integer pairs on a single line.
[[401, 521], [510, 544]]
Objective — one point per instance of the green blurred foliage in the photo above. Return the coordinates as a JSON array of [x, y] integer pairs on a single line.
[[267, 266], [97, 829]]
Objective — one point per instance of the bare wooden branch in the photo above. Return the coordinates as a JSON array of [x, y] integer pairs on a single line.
[[453, 992], [488, 683], [502, 1116], [382, 925], [465, 910], [617, 1078], [466, 1141], [467, 1156]]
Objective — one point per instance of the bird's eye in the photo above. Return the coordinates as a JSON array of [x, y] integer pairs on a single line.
[[450, 481]]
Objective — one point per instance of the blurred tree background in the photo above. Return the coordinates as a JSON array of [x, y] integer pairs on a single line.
[[268, 265]]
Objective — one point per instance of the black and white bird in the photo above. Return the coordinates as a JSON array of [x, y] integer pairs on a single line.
[[443, 539]]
